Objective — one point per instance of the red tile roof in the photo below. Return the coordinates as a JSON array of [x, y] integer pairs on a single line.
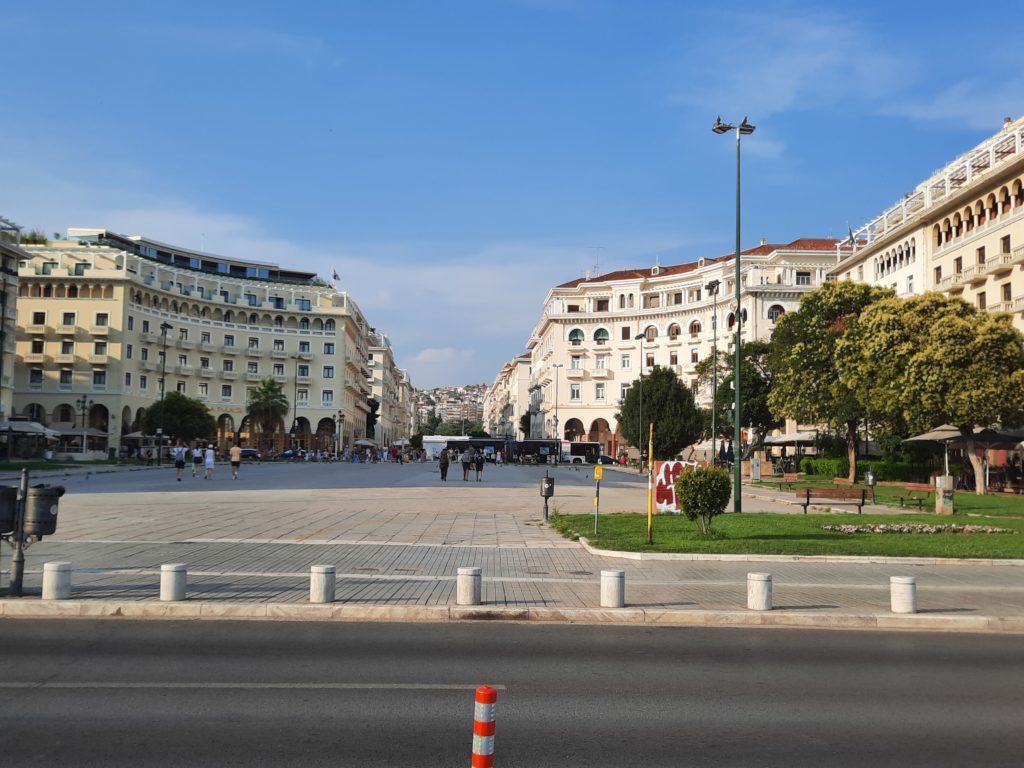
[[801, 244]]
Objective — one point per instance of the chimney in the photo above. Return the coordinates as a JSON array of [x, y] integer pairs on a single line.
[[1007, 122], [763, 241]]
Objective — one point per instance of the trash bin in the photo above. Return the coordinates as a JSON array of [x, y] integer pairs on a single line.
[[8, 507], [41, 509]]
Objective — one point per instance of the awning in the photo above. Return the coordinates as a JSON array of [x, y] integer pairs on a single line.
[[28, 428], [793, 438]]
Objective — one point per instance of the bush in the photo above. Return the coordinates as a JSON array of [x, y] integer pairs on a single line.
[[703, 493], [811, 465]]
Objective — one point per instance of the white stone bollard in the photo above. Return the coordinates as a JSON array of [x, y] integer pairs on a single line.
[[468, 587], [759, 591], [322, 579], [173, 577], [56, 581], [613, 589], [903, 594]]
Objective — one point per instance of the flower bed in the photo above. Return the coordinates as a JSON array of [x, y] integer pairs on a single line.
[[914, 528]]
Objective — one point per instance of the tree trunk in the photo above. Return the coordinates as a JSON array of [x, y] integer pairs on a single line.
[[851, 448], [977, 462]]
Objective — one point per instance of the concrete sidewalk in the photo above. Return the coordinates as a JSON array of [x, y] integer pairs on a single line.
[[397, 538]]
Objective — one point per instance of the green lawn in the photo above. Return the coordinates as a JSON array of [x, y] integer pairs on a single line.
[[772, 534], [34, 466]]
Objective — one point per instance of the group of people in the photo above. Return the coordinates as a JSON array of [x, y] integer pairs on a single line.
[[470, 458], [204, 460]]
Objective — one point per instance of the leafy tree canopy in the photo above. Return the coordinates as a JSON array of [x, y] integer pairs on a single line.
[[181, 417], [524, 425], [668, 404], [756, 386], [267, 406]]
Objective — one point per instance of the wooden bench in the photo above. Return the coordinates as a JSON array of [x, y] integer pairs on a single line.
[[788, 478], [857, 496], [912, 494], [842, 481]]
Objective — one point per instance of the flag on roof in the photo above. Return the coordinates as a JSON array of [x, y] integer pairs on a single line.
[[336, 276]]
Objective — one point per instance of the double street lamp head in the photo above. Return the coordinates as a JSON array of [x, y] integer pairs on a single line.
[[165, 327], [744, 128]]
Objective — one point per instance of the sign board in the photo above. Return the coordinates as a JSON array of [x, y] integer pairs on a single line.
[[598, 472], [665, 474]]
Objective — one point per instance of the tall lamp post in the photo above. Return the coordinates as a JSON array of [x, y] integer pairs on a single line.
[[164, 328], [84, 404], [743, 129], [712, 288], [295, 401], [557, 366], [640, 446], [341, 432]]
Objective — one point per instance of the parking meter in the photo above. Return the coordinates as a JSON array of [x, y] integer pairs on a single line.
[[547, 490]]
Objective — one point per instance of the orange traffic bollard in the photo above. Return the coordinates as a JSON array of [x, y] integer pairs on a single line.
[[483, 727]]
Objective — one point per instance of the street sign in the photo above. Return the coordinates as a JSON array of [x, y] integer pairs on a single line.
[[598, 472]]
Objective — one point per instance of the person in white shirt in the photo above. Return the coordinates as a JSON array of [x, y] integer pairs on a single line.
[[209, 461]]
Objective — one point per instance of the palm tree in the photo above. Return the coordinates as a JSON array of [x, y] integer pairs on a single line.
[[267, 406]]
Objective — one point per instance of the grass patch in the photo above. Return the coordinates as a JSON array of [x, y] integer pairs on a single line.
[[40, 466], [772, 534]]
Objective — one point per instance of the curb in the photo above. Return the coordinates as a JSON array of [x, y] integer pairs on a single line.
[[188, 609], [875, 559]]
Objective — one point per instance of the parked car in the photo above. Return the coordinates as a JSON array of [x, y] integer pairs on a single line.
[[251, 453], [606, 459], [292, 454]]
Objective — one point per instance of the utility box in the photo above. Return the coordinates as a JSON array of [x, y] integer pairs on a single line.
[[41, 509], [944, 495], [547, 487], [755, 468], [8, 507]]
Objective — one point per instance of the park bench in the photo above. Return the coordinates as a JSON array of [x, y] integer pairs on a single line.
[[916, 493], [842, 481], [788, 478], [857, 496]]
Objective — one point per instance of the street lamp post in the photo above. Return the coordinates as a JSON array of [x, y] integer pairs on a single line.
[[558, 437], [712, 288], [743, 129], [295, 401], [84, 404], [164, 328], [640, 432]]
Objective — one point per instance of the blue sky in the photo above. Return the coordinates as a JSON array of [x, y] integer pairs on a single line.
[[454, 160]]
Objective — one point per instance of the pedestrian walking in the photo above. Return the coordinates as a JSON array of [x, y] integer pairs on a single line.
[[467, 462], [210, 459], [197, 459], [442, 463], [236, 460], [479, 461], [180, 452]]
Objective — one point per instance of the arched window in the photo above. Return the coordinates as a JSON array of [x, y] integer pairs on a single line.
[[328, 325], [304, 324], [576, 337], [775, 311], [730, 321], [695, 328], [651, 332], [601, 336], [743, 315], [253, 318], [229, 317], [622, 301], [629, 301], [673, 331], [279, 322]]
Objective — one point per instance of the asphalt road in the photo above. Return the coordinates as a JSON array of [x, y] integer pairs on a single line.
[[302, 475], [120, 693]]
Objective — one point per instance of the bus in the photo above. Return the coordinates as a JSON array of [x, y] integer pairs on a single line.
[[580, 452]]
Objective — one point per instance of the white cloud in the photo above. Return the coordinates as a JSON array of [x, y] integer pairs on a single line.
[[980, 104]]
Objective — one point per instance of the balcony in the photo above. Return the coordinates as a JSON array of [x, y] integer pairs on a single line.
[[184, 370], [184, 344], [229, 374], [302, 403], [99, 330], [1001, 264], [67, 330], [63, 359], [230, 349], [600, 373], [250, 376], [148, 365], [279, 354], [304, 355], [95, 359], [37, 329], [574, 373], [304, 379], [280, 378], [977, 274], [206, 373], [206, 346], [151, 338], [254, 352]]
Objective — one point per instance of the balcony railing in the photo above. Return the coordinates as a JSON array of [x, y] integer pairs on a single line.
[[229, 374], [67, 330], [206, 373], [99, 330], [35, 357], [36, 328]]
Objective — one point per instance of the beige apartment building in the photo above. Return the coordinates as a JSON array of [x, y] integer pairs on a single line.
[[10, 255], [389, 385], [508, 398], [597, 333], [97, 313], [961, 231]]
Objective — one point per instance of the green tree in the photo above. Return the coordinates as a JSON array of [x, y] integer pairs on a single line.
[[181, 417], [524, 425], [935, 359], [266, 408], [433, 422], [372, 416], [668, 404], [460, 427], [757, 385], [802, 358], [416, 441], [703, 493]]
